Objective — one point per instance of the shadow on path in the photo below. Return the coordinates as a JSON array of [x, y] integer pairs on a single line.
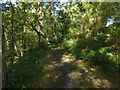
[[63, 71]]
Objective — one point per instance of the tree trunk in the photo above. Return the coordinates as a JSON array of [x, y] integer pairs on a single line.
[[4, 65], [12, 35], [39, 29], [40, 34], [40, 39]]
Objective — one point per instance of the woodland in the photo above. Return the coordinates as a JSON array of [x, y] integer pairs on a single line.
[[60, 45]]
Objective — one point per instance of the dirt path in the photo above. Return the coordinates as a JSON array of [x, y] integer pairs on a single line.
[[63, 71]]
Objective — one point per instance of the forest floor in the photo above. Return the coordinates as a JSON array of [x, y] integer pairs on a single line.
[[62, 70]]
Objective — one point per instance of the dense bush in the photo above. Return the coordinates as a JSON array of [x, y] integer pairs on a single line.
[[31, 64], [97, 52]]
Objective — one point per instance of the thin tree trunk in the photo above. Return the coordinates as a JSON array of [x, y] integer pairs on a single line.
[[39, 30], [40, 41], [1, 49], [4, 65], [23, 37], [12, 35]]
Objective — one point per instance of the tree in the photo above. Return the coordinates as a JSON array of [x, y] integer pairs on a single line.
[[37, 22]]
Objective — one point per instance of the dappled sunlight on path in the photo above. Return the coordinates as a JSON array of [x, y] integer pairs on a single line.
[[68, 58], [71, 73]]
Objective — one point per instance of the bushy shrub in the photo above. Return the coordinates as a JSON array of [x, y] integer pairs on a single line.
[[28, 67], [69, 44], [97, 53]]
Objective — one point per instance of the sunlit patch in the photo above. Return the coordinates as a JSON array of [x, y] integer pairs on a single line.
[[15, 61], [100, 83], [67, 58], [74, 75], [50, 66], [48, 75], [56, 76], [74, 79], [97, 81], [8, 63], [81, 65], [92, 69]]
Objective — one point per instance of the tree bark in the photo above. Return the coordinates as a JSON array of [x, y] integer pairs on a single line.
[[39, 29], [4, 65], [40, 39]]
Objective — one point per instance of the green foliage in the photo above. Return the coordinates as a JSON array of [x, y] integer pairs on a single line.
[[31, 64], [79, 27], [97, 52]]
